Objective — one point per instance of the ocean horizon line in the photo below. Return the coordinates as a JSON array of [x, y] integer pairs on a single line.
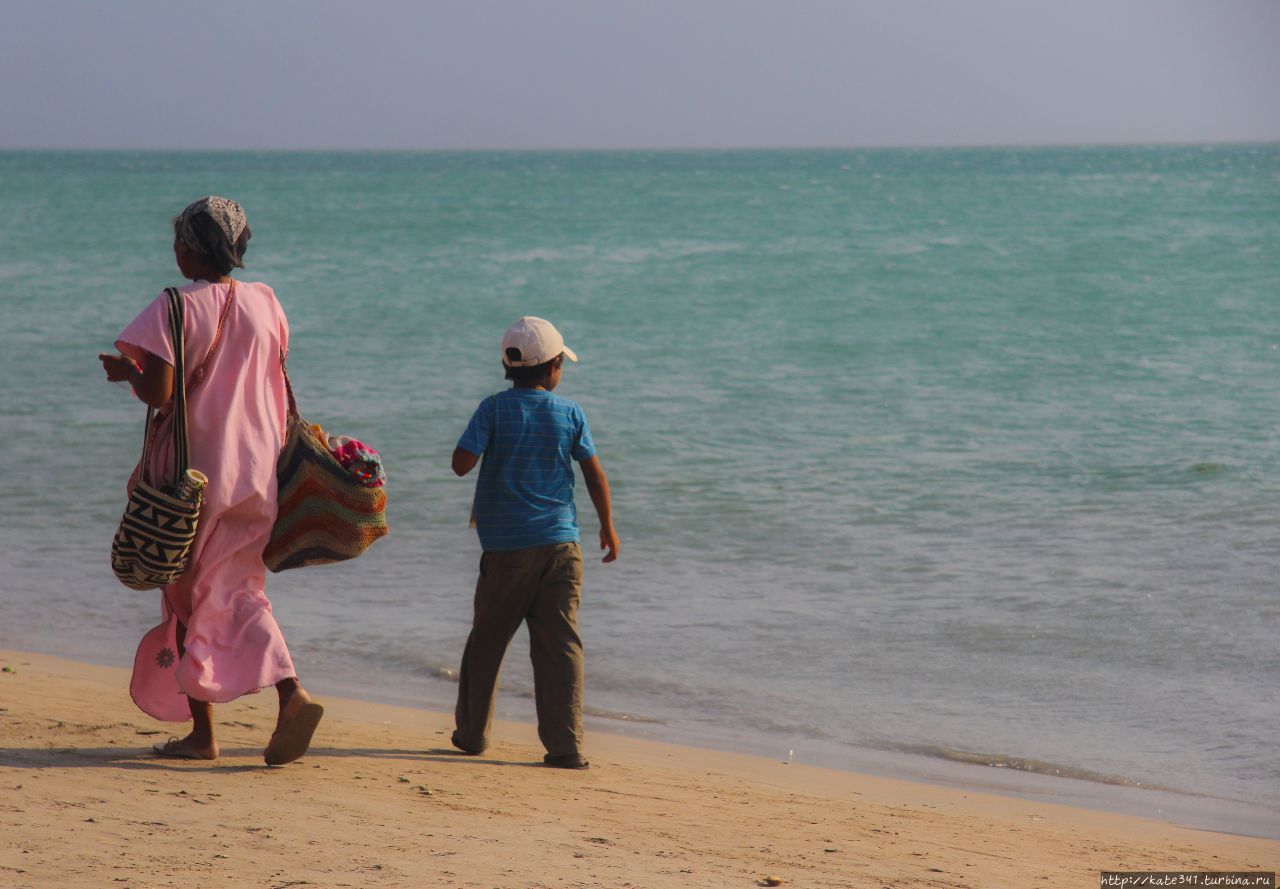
[[706, 149]]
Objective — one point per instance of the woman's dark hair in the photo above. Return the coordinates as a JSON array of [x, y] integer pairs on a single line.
[[214, 245], [529, 374]]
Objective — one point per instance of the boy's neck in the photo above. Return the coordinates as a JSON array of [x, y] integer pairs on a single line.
[[540, 384]]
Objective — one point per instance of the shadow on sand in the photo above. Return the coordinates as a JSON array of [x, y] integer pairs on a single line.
[[144, 760]]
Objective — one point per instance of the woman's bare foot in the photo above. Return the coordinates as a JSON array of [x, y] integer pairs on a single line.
[[299, 716], [187, 748]]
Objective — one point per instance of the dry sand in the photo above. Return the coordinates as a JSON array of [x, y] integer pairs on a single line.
[[381, 801]]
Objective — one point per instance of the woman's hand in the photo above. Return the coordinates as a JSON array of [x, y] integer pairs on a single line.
[[118, 367], [152, 382]]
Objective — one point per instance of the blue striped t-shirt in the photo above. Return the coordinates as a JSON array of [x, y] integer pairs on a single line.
[[528, 439]]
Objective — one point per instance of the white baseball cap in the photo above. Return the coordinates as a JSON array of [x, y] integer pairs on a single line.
[[536, 341]]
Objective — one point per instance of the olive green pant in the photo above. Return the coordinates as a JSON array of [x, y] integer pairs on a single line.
[[540, 586]]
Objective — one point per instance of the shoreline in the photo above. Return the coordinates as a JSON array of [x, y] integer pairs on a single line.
[[382, 801], [960, 769], [954, 768]]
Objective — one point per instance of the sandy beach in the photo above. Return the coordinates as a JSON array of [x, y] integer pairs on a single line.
[[381, 800]]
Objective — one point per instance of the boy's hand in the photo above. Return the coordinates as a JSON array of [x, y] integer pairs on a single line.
[[598, 486], [609, 541]]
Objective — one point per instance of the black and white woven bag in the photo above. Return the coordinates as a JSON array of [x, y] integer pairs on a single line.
[[152, 546]]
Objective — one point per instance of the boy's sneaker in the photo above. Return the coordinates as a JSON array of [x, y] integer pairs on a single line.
[[566, 761]]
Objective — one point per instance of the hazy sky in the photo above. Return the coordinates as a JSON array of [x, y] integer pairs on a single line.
[[635, 73]]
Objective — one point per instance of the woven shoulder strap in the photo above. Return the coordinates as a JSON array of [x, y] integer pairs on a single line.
[[288, 386], [181, 455], [197, 376]]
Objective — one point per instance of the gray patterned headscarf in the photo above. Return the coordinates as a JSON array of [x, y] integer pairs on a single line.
[[221, 241]]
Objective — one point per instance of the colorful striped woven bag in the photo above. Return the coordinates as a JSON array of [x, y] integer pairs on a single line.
[[325, 513], [152, 545]]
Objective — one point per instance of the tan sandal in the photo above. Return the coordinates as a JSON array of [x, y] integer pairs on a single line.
[[292, 739]]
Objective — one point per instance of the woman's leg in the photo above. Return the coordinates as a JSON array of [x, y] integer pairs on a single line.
[[288, 689], [201, 737], [200, 743]]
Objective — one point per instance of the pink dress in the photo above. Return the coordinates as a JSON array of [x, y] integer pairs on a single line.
[[236, 422]]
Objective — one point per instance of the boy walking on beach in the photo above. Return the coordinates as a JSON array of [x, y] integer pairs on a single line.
[[531, 569]]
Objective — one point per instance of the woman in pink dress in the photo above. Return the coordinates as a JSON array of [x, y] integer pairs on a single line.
[[218, 639]]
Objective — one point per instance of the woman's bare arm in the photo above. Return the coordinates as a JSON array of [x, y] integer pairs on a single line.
[[152, 382]]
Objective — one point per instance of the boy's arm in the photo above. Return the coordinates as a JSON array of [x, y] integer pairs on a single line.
[[598, 488], [463, 461]]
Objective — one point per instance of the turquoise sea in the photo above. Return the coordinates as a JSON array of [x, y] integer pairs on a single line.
[[953, 464]]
